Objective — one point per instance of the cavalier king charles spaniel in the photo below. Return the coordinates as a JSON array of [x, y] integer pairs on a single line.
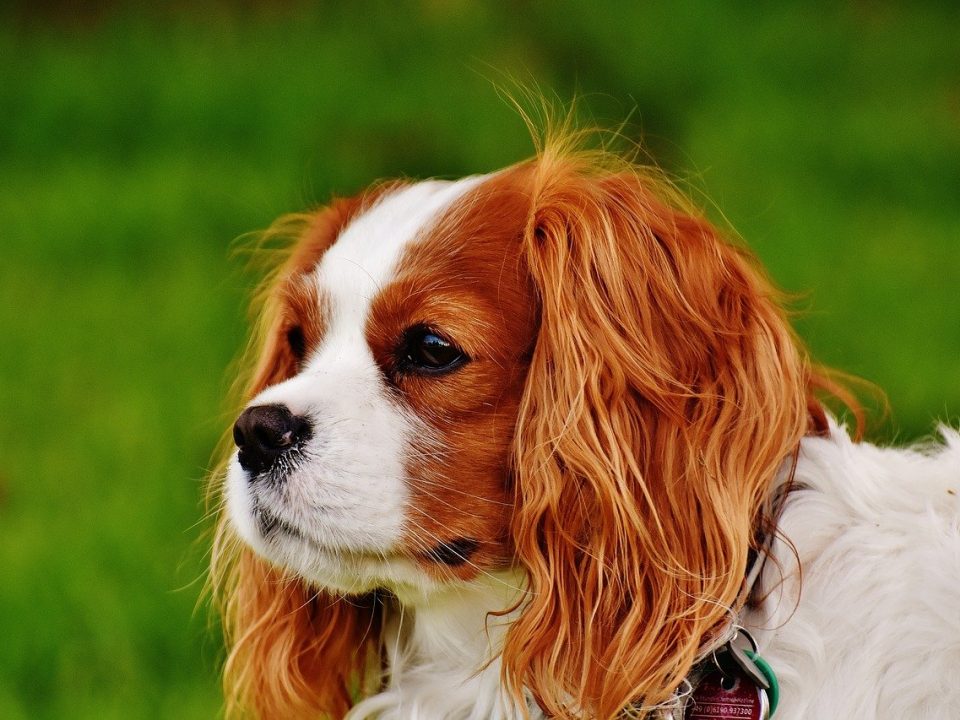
[[541, 443]]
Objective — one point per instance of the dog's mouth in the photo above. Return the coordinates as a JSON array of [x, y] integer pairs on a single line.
[[273, 529], [271, 525]]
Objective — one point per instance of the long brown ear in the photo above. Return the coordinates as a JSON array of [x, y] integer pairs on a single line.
[[294, 651], [664, 392]]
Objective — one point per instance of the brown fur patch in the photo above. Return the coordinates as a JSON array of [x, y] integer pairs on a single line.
[[466, 279]]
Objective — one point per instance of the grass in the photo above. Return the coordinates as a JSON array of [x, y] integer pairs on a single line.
[[135, 147]]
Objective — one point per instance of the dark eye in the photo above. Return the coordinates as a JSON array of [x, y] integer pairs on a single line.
[[426, 351], [296, 341]]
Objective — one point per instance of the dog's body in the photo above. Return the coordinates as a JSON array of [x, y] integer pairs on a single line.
[[509, 443], [869, 625], [875, 632]]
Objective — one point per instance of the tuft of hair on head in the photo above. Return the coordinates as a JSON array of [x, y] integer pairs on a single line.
[[665, 392]]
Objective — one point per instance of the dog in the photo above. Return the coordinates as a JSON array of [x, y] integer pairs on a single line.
[[542, 443]]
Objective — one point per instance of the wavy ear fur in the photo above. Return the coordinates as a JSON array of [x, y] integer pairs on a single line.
[[665, 390], [294, 651]]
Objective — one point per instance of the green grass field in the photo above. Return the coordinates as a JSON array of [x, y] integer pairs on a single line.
[[134, 148]]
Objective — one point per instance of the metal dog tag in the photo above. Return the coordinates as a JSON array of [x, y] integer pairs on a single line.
[[723, 696]]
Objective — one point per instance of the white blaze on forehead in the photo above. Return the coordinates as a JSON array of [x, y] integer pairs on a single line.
[[362, 260]]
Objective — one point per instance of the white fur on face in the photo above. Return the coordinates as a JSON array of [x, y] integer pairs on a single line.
[[338, 513]]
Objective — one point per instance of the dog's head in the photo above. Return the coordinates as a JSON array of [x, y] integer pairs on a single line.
[[555, 368]]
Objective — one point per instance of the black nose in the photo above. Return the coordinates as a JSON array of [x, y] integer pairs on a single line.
[[264, 432]]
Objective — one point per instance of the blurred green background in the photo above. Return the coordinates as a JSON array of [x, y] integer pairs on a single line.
[[135, 146]]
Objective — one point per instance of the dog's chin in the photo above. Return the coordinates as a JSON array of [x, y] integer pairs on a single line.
[[344, 572], [269, 532]]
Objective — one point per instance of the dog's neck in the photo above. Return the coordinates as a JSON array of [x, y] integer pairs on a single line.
[[443, 654], [442, 650]]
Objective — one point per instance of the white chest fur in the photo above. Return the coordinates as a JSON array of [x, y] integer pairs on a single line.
[[871, 627], [443, 656]]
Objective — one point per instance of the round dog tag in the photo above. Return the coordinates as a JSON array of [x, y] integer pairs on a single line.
[[722, 696]]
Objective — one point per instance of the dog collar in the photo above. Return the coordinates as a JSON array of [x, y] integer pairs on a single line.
[[734, 680]]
